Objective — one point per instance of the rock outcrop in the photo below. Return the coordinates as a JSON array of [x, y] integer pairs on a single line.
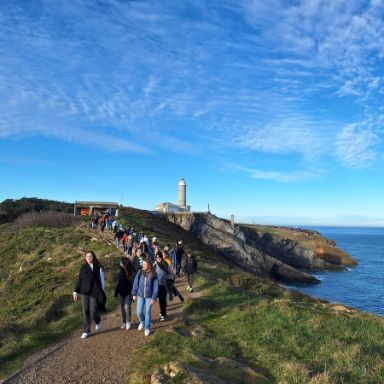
[[276, 252]]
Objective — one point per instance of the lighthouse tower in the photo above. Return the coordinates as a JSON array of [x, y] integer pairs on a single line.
[[182, 194]]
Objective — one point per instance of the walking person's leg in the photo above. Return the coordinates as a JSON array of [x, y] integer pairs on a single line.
[[122, 309], [95, 312], [190, 279], [148, 309], [163, 302], [140, 311], [86, 313], [128, 311]]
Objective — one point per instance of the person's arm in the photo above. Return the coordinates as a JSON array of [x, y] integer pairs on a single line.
[[75, 293], [102, 278], [135, 286], [155, 292]]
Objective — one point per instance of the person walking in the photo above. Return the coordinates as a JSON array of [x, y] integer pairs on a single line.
[[123, 291], [190, 268], [179, 256], [89, 287], [145, 292], [162, 270]]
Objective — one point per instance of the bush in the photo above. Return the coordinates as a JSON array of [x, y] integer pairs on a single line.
[[45, 219]]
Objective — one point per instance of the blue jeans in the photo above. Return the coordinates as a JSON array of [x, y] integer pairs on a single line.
[[125, 307], [140, 311]]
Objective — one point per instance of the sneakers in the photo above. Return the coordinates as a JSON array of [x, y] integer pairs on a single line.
[[85, 335], [140, 327], [128, 325], [98, 327], [123, 325], [189, 289], [147, 332], [161, 318]]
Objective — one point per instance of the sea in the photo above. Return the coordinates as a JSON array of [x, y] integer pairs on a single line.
[[359, 286]]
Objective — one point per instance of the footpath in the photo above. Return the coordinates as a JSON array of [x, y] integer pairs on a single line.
[[103, 357]]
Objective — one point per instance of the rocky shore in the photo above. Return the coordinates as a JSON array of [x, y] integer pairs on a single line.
[[281, 253]]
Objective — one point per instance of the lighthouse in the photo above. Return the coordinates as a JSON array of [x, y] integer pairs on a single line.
[[182, 194]]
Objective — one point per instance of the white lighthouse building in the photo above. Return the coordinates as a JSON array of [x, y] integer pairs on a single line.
[[182, 201]]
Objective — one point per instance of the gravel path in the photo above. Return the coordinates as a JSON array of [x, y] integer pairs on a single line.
[[101, 358]]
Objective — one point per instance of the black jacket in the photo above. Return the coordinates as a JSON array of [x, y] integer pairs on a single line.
[[179, 251], [190, 264], [88, 282], [124, 284]]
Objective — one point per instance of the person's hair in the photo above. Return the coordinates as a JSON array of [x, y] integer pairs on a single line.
[[162, 264], [151, 271], [189, 252], [165, 252], [127, 265], [95, 260]]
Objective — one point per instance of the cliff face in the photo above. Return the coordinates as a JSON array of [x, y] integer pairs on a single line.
[[279, 253]]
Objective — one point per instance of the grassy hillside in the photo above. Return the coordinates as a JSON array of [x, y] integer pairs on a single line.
[[240, 329], [246, 330], [11, 209], [38, 271]]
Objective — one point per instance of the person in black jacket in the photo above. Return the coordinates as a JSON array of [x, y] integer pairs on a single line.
[[190, 268], [89, 286], [123, 291], [179, 256]]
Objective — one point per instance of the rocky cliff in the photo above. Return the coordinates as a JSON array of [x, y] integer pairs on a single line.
[[280, 253]]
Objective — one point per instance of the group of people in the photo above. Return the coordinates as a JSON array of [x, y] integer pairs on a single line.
[[147, 275]]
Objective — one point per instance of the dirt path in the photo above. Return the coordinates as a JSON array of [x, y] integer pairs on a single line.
[[101, 358]]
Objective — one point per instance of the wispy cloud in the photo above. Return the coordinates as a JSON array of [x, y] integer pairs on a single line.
[[281, 177], [355, 145], [258, 75]]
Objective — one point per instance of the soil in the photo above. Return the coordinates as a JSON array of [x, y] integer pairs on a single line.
[[103, 357]]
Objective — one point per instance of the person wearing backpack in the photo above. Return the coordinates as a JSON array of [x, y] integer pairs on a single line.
[[144, 293], [123, 291]]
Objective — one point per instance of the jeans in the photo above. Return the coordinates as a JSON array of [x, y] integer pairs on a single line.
[[190, 279], [146, 319], [117, 241], [163, 300], [89, 308], [125, 307]]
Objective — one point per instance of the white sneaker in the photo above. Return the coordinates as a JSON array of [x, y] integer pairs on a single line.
[[122, 326], [85, 335], [128, 325], [98, 327], [140, 327], [147, 332]]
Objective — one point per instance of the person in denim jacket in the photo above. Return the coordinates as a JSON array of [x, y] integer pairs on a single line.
[[145, 292]]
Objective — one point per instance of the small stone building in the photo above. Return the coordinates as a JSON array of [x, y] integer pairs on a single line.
[[84, 208]]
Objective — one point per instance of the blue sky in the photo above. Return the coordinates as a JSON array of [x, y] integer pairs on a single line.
[[271, 110]]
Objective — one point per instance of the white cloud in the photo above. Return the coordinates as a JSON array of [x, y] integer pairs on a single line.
[[355, 145], [281, 177]]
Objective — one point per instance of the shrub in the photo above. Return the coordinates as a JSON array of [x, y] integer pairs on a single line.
[[45, 219]]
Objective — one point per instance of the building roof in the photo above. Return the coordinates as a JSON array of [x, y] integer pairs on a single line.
[[97, 203]]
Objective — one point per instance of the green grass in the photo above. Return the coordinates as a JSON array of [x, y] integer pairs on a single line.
[[283, 336], [38, 271]]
